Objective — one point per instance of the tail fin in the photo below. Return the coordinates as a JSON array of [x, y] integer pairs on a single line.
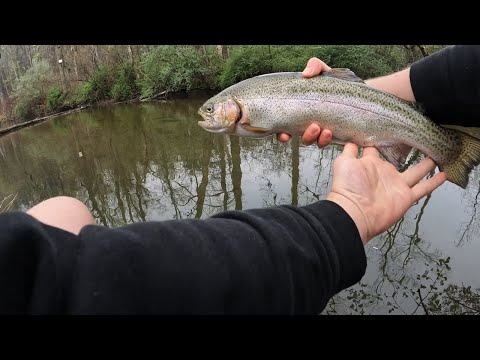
[[458, 170]]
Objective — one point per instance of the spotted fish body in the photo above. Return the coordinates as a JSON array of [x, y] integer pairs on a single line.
[[343, 103]]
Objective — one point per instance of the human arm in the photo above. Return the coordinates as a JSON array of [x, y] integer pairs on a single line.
[[447, 84], [282, 260]]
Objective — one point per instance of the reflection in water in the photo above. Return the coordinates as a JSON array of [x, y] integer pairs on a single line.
[[6, 203], [236, 172], [471, 226], [295, 169], [151, 161]]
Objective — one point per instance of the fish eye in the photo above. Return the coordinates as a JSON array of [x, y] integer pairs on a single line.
[[209, 108]]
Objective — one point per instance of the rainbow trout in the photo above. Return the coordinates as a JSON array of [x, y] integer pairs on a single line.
[[340, 101]]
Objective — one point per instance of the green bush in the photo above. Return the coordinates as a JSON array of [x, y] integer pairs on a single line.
[[30, 90], [98, 87], [125, 86], [33, 84], [175, 68], [253, 60], [394, 56], [291, 58], [363, 60], [54, 99], [245, 62], [84, 92], [24, 110]]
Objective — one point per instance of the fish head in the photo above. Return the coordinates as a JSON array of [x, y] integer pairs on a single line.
[[220, 114]]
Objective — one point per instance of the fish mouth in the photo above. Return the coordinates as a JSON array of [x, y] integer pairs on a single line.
[[214, 128], [210, 124]]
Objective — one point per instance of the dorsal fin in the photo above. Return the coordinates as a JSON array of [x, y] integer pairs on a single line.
[[472, 131], [416, 105], [343, 74], [349, 75]]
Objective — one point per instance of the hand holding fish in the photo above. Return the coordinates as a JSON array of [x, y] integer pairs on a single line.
[[323, 137], [374, 193]]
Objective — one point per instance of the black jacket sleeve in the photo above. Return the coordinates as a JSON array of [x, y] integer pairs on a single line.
[[447, 84], [281, 260]]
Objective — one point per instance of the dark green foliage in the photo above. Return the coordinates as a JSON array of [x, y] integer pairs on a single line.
[[125, 86], [54, 99], [99, 86], [177, 68]]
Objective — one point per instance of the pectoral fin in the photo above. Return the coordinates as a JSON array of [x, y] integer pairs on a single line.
[[396, 154], [256, 130], [343, 73]]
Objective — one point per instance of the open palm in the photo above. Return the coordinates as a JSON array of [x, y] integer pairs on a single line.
[[374, 193]]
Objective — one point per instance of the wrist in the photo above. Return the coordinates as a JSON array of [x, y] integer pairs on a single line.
[[354, 211]]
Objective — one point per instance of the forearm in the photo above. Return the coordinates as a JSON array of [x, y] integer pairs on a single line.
[[282, 260], [446, 83], [397, 84]]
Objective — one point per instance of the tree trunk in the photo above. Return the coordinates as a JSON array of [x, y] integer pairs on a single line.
[[222, 51], [61, 69], [132, 60], [15, 64], [95, 57], [423, 50], [27, 49], [205, 54], [30, 55], [5, 85], [130, 54], [73, 49]]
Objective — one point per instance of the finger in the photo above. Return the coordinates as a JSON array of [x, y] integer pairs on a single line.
[[314, 67], [325, 138], [311, 134], [416, 173], [370, 151], [426, 187], [350, 150], [282, 137]]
